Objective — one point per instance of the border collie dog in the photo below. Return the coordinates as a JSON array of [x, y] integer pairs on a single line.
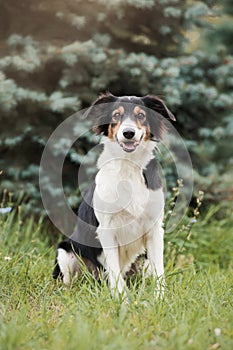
[[121, 215]]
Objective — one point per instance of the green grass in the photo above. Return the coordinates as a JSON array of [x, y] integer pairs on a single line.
[[38, 313]]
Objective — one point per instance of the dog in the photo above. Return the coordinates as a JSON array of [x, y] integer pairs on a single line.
[[121, 215]]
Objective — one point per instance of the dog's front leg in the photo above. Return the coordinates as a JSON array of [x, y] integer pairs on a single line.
[[155, 246], [111, 261]]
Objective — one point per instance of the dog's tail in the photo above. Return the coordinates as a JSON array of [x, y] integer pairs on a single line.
[[57, 271]]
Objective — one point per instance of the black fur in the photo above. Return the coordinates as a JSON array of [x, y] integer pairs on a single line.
[[156, 110], [56, 271], [84, 240], [157, 104], [152, 176]]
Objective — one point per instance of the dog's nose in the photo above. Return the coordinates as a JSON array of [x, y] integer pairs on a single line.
[[128, 133]]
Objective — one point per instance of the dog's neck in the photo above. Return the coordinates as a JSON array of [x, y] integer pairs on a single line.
[[138, 159]]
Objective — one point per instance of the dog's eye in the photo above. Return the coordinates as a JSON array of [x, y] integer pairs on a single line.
[[141, 117], [116, 117]]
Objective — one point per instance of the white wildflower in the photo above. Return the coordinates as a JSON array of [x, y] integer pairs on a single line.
[[217, 332], [5, 210], [7, 258]]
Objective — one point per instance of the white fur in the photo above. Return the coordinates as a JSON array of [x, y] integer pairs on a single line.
[[129, 123], [68, 264], [130, 215]]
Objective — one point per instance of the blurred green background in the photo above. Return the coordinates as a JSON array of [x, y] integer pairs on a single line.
[[57, 56]]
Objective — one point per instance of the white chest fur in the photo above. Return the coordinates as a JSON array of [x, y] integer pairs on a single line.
[[127, 211], [122, 202], [120, 188]]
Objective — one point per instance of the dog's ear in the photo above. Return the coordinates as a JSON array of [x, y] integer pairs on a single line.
[[158, 105], [157, 109], [99, 113]]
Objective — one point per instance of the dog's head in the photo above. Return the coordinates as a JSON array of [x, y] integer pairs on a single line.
[[129, 120]]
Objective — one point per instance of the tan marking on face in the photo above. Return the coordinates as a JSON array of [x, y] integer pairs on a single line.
[[148, 133], [120, 110], [138, 110], [112, 130], [140, 123]]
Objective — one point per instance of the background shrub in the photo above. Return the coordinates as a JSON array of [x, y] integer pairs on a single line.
[[57, 57]]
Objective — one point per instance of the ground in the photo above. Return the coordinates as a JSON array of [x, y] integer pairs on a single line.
[[38, 313]]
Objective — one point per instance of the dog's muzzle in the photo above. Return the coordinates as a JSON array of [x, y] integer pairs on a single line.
[[129, 144]]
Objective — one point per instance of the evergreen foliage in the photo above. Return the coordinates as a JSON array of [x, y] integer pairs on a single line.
[[57, 56]]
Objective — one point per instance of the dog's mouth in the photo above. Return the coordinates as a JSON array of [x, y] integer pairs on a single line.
[[129, 146]]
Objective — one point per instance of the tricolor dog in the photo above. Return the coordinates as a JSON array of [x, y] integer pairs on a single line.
[[121, 215]]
